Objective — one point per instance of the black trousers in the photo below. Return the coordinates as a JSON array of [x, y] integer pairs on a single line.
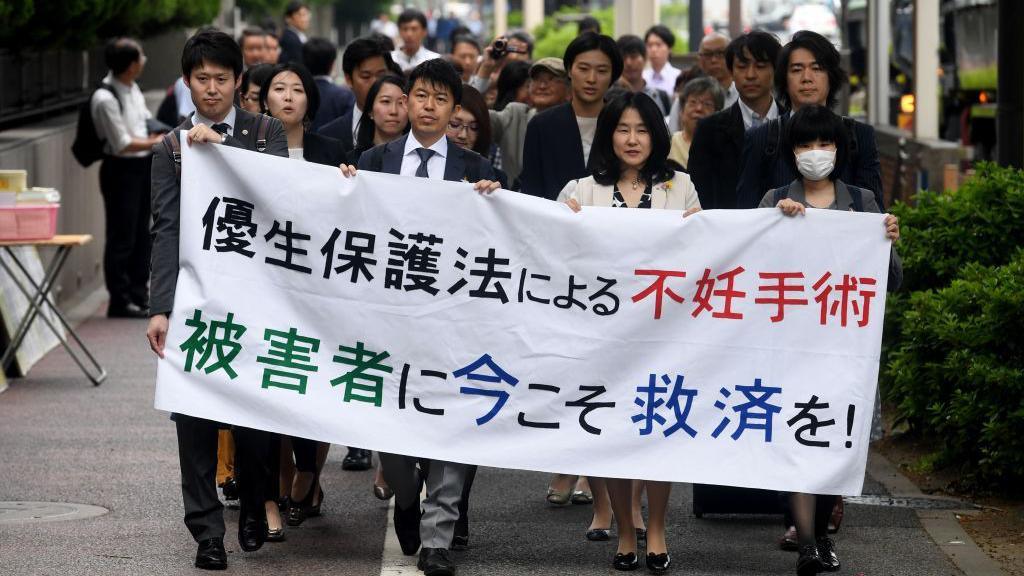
[[197, 454], [126, 202]]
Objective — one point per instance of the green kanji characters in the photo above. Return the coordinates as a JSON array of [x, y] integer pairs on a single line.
[[360, 385], [217, 337], [292, 353]]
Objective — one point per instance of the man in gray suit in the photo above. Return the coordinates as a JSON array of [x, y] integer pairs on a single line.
[[211, 64]]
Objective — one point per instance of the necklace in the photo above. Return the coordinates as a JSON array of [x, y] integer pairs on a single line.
[[636, 182]]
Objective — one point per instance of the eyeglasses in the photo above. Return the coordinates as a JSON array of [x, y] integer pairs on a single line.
[[695, 102], [709, 54], [456, 126]]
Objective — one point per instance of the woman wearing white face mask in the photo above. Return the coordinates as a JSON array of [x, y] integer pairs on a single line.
[[818, 145]]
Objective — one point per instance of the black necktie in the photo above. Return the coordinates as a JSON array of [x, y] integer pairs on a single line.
[[424, 154], [221, 128]]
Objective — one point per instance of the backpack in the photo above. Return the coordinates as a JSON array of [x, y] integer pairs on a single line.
[[173, 146], [88, 147], [855, 193]]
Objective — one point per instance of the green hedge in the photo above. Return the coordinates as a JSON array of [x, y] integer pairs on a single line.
[[954, 354], [551, 38], [40, 24]]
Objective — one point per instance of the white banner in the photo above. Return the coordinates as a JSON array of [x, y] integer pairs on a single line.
[[417, 317]]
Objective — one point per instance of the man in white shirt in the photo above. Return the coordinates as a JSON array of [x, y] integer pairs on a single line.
[[120, 114], [660, 73], [412, 27]]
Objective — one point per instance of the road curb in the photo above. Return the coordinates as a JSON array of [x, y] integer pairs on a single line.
[[942, 526]]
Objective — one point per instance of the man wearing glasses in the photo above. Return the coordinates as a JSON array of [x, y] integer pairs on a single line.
[[711, 59]]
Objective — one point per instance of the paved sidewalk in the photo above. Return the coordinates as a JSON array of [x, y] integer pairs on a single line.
[[62, 440]]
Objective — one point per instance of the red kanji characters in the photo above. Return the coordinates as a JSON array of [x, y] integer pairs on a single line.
[[851, 285], [706, 289], [780, 288], [659, 286]]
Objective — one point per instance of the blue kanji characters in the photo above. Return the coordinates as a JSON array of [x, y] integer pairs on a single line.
[[680, 401], [755, 414], [497, 375]]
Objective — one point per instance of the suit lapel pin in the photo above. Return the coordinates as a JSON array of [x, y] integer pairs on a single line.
[[245, 132]]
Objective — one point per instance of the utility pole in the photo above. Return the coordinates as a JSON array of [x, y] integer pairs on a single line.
[[1010, 67]]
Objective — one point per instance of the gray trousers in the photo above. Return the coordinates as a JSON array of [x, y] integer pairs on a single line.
[[444, 492]]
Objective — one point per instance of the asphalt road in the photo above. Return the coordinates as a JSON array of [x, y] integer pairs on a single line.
[[62, 440]]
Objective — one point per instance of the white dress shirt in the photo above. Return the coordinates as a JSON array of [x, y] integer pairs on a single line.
[[436, 164], [731, 96], [664, 79], [357, 115], [118, 124], [407, 62], [198, 118], [752, 119]]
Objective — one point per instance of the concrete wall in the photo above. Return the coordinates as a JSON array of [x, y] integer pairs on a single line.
[[923, 158], [44, 149]]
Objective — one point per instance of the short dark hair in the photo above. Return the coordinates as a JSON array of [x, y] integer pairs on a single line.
[[661, 31], [360, 50], [386, 41], [824, 53], [213, 46], [255, 76], [762, 47], [811, 123], [605, 165], [460, 30], [308, 85], [412, 15], [588, 24], [593, 41], [319, 55], [293, 7], [525, 39], [437, 72], [249, 33], [511, 78], [367, 127], [474, 103], [630, 44], [465, 39], [120, 53]]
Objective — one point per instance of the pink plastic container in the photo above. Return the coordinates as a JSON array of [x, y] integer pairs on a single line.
[[28, 222]]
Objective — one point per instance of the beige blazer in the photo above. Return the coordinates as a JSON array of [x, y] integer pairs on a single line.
[[676, 194]]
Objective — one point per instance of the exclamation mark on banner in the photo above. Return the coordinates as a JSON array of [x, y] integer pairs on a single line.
[[849, 424]]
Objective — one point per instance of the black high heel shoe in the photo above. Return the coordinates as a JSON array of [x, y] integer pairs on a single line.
[[626, 562], [299, 511], [658, 563]]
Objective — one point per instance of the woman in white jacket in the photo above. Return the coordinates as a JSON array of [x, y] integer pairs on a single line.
[[629, 163]]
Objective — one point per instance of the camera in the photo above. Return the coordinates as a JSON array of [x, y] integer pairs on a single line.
[[499, 49]]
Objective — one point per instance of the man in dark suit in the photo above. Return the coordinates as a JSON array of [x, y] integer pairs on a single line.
[[717, 149], [335, 101], [558, 140], [434, 91], [808, 71], [296, 22], [211, 64], [365, 60]]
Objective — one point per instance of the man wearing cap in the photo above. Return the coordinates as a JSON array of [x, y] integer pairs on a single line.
[[549, 86]]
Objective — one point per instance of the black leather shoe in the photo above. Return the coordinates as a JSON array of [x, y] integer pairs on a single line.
[[658, 563], [357, 459], [460, 543], [626, 562], [436, 562], [252, 528], [598, 535], [211, 555], [827, 553], [407, 528], [127, 311], [809, 562]]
